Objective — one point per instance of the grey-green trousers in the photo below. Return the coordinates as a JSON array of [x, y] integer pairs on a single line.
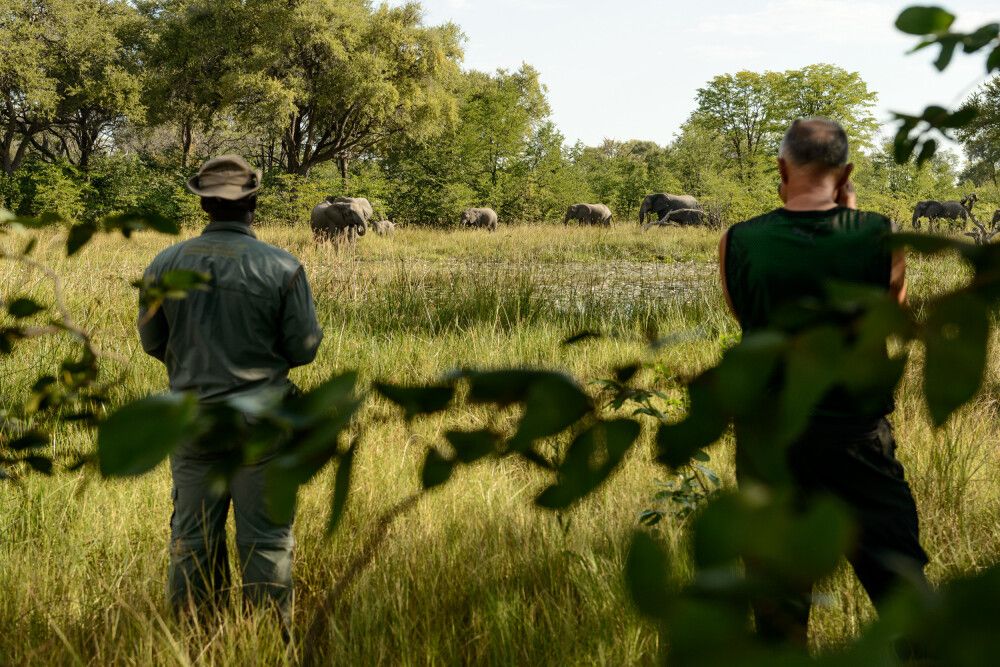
[[199, 562]]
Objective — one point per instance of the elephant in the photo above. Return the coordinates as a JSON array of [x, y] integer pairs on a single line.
[[383, 227], [485, 218], [591, 214], [339, 221], [366, 206], [996, 219], [957, 213], [682, 209]]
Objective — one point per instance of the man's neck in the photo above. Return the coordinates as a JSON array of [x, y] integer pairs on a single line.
[[813, 199]]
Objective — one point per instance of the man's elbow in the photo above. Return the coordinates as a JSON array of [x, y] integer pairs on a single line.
[[157, 351], [304, 353], [153, 343]]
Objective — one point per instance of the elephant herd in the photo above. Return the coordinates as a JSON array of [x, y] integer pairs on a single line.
[[957, 214], [345, 219]]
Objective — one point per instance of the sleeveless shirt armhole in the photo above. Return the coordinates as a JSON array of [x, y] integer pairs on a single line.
[[729, 273]]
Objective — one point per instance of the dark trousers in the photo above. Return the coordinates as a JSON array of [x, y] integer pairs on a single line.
[[855, 463], [199, 563]]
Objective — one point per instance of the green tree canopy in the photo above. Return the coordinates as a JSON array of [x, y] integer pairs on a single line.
[[751, 110], [981, 137], [70, 74]]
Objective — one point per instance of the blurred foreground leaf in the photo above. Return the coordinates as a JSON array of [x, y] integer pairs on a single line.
[[957, 338], [418, 401], [139, 436]]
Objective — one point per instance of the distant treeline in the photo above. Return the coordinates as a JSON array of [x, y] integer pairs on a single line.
[[109, 105]]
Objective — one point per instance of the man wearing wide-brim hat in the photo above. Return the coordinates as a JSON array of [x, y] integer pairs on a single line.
[[236, 340]]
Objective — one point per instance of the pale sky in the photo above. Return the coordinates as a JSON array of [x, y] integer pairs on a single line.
[[629, 69]]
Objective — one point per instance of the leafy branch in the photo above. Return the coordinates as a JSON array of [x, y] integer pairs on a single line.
[[916, 133]]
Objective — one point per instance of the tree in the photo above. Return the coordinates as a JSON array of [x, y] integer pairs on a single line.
[[331, 80], [92, 55], [981, 137], [487, 155], [28, 89], [834, 93], [751, 110], [621, 174], [748, 111], [192, 43]]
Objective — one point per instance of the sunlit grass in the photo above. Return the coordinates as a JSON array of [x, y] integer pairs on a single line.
[[475, 575]]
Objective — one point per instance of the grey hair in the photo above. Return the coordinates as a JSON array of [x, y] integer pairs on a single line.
[[816, 142]]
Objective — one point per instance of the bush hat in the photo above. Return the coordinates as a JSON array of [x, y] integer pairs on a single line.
[[227, 177]]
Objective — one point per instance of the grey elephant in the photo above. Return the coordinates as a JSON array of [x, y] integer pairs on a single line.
[[590, 214], [339, 221], [681, 209], [366, 206], [484, 218], [383, 227], [957, 213]]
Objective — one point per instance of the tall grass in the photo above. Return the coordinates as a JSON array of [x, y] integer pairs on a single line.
[[475, 574]]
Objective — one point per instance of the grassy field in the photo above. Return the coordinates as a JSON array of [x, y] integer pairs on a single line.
[[475, 574]]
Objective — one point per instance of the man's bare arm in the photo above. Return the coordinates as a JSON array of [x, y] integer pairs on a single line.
[[897, 277], [723, 243]]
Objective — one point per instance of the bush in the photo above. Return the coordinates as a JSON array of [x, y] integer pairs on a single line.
[[288, 199]]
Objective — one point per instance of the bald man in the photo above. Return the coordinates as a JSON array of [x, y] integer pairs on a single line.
[[780, 259]]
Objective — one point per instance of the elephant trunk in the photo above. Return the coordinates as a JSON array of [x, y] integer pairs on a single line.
[[643, 210]]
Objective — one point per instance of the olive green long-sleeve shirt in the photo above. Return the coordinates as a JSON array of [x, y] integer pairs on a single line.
[[255, 323]]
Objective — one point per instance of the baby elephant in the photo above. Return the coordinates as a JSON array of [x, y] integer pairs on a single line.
[[590, 214], [484, 218], [383, 227]]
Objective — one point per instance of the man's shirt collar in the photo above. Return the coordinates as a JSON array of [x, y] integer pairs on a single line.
[[237, 227]]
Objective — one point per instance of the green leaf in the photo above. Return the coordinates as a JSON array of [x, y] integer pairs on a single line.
[[79, 236], [582, 337], [471, 446], [626, 374], [418, 401], [336, 396], [646, 575], [962, 117], [980, 38], [903, 147], [956, 336], [589, 461], [23, 307], [705, 423], [437, 469], [134, 221], [948, 46], [502, 387], [140, 435], [993, 61], [41, 464], [29, 440], [812, 366], [927, 151], [552, 403], [341, 489], [922, 21]]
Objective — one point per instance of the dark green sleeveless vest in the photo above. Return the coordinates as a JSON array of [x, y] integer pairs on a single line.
[[780, 259]]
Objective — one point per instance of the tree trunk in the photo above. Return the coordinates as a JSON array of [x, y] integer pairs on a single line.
[[342, 163], [187, 142]]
